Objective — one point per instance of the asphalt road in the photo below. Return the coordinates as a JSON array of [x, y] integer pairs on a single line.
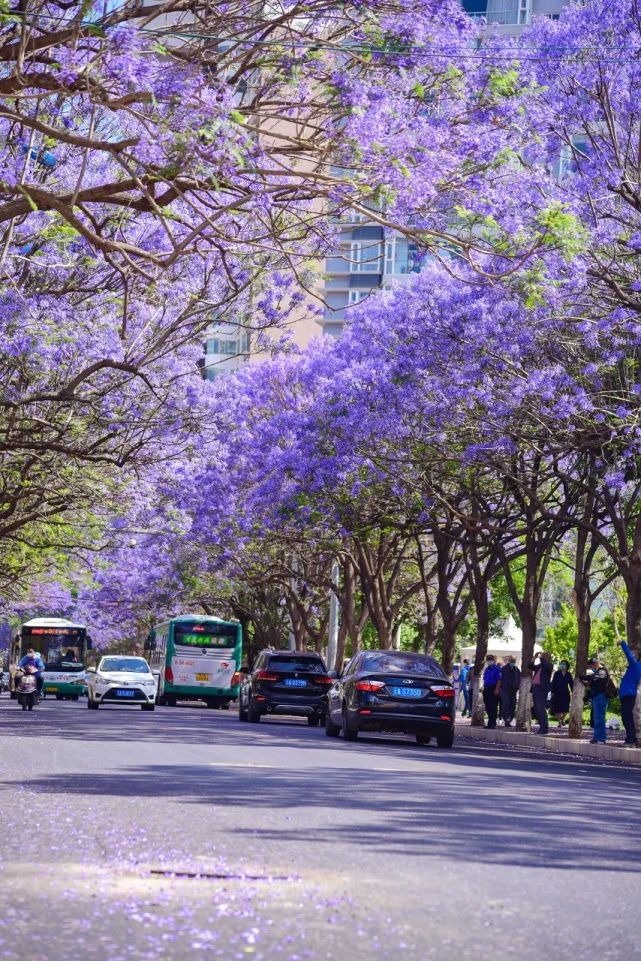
[[185, 834]]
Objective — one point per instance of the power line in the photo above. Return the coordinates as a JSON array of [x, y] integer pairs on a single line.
[[565, 55]]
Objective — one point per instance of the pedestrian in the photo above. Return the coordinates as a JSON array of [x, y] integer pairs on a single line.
[[597, 678], [465, 690], [541, 668], [562, 684], [491, 689], [470, 689], [510, 683], [628, 694]]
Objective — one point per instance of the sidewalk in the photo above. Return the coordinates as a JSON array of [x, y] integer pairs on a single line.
[[556, 741]]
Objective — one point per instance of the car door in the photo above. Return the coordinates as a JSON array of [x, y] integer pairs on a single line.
[[336, 693], [259, 664]]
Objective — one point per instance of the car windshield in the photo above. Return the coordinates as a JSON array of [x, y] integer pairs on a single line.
[[130, 665], [312, 665], [400, 663]]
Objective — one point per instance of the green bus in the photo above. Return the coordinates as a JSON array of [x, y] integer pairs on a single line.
[[196, 658], [63, 647]]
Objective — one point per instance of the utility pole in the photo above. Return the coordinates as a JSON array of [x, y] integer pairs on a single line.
[[332, 640]]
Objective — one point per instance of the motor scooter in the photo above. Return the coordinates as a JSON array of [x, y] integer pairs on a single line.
[[27, 688]]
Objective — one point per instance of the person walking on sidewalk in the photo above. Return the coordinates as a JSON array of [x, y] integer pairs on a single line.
[[628, 694], [491, 689], [541, 668], [562, 684], [465, 690], [597, 677], [510, 681]]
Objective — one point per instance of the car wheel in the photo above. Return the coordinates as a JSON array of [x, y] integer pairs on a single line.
[[58, 697], [91, 704], [242, 711], [423, 739], [313, 720], [349, 733], [446, 739], [253, 716], [148, 707], [331, 729], [75, 697]]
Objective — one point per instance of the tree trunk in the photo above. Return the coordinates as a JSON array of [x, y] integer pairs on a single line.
[[431, 633], [481, 606], [584, 624], [528, 627], [449, 647], [633, 606], [478, 708]]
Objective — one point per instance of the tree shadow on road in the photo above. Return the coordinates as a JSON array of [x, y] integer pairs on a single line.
[[488, 806]]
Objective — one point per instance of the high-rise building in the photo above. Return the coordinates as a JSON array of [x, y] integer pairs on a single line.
[[366, 256], [513, 13]]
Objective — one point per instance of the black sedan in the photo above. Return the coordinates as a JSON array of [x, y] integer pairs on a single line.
[[392, 691], [285, 682]]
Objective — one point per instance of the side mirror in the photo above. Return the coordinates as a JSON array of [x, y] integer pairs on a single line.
[[90, 670]]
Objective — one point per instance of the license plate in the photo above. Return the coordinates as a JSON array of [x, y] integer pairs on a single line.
[[202, 677], [295, 682], [406, 692], [125, 693]]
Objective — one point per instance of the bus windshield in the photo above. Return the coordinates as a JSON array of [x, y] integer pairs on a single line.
[[60, 651]]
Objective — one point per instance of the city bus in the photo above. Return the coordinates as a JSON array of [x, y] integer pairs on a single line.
[[63, 647], [196, 658]]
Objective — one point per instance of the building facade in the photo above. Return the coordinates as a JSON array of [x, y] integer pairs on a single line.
[[367, 257]]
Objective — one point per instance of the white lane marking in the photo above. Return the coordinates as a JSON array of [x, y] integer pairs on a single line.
[[269, 767], [277, 767]]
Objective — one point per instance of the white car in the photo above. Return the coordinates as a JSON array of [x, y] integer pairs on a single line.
[[119, 679]]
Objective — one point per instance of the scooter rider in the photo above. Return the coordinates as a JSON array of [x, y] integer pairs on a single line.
[[33, 659]]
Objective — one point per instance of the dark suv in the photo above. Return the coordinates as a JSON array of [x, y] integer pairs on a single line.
[[285, 682]]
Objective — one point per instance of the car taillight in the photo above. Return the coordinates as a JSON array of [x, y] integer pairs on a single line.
[[235, 679], [370, 686], [322, 680], [443, 691], [169, 675], [266, 676]]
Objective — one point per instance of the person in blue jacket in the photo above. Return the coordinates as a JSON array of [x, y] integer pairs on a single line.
[[34, 659], [628, 694], [491, 689]]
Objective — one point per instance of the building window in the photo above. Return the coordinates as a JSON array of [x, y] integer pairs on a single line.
[[355, 296], [570, 156], [364, 258], [401, 256]]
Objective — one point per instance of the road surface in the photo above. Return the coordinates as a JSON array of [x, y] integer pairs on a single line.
[[185, 834]]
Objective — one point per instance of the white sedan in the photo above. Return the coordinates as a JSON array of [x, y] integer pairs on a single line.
[[121, 680]]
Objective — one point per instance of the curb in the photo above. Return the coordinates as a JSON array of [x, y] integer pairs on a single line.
[[556, 745]]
